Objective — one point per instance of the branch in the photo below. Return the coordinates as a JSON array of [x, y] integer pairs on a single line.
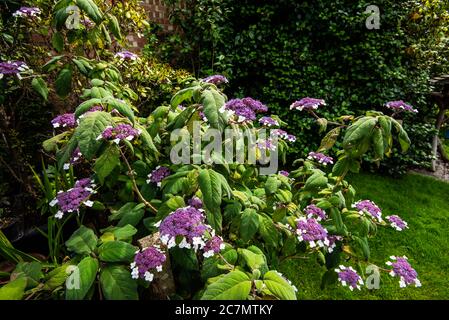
[[133, 180]]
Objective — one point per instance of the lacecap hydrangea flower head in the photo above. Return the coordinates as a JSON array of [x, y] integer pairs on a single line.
[[147, 262], [402, 269]]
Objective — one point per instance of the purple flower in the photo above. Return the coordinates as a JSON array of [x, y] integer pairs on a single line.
[[216, 79], [64, 120], [146, 262], [397, 223], [266, 144], [283, 134], [321, 158], [284, 173], [349, 277], [268, 121], [126, 55], [368, 207], [118, 133], [87, 23], [74, 158], [312, 211], [307, 104], [310, 231], [195, 202], [244, 109], [402, 269], [28, 12], [12, 67], [333, 242], [187, 223], [71, 200], [95, 108], [158, 174], [400, 106], [213, 246], [255, 105]]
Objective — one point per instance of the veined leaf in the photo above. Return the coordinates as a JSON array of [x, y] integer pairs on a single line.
[[82, 241], [235, 285], [116, 251], [41, 87], [86, 105], [211, 188], [117, 284], [249, 224], [107, 162], [63, 82], [90, 127], [14, 290], [82, 279], [279, 286], [212, 101], [91, 9]]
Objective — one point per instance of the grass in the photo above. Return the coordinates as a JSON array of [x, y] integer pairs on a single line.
[[421, 201]]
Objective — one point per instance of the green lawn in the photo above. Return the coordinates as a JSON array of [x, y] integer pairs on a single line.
[[424, 203]]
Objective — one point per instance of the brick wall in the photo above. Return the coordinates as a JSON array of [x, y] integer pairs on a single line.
[[156, 12]]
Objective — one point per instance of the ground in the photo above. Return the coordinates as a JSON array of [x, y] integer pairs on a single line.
[[424, 203]]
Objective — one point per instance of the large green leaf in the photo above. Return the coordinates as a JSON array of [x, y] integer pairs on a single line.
[[114, 26], [13, 290], [63, 82], [91, 9], [249, 224], [82, 241], [235, 285], [107, 162], [117, 284], [86, 106], [40, 86], [211, 188], [90, 127], [117, 251], [82, 279], [212, 101], [316, 181], [329, 139], [57, 41], [56, 277], [254, 260], [271, 185], [279, 286], [183, 95], [121, 106]]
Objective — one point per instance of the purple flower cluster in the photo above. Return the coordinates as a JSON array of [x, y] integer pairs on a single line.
[[12, 67], [27, 12], [158, 174], [400, 106], [401, 268], [309, 230], [268, 121], [76, 155], [118, 133], [188, 223], [283, 134], [71, 200], [87, 23], [216, 79], [126, 55], [245, 109], [370, 208], [312, 211], [213, 246], [349, 277], [195, 202], [64, 120], [397, 222], [146, 262], [266, 144], [284, 173], [307, 104], [321, 158]]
